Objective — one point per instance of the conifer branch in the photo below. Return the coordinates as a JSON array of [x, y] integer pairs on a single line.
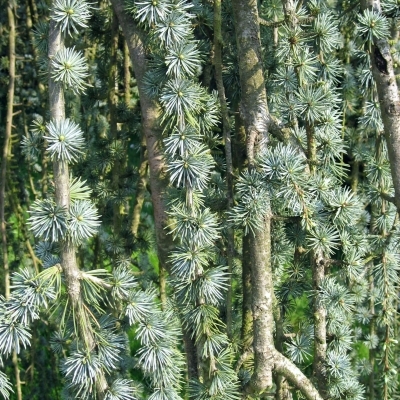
[[62, 199]]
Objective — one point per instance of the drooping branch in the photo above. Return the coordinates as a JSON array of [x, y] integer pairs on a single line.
[[158, 180], [151, 131]]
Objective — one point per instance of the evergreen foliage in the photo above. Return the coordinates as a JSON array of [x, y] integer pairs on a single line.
[[322, 171]]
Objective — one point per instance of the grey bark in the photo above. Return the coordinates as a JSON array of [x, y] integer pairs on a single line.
[[262, 307], [256, 119], [320, 345], [389, 100], [61, 191]]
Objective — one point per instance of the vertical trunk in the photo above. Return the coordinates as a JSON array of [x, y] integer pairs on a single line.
[[218, 42], [256, 119], [127, 75], [3, 176], [112, 101], [17, 375], [282, 386], [263, 321], [389, 99], [61, 191], [140, 189], [355, 172], [191, 355], [254, 112], [318, 274], [311, 148], [151, 131], [253, 105], [6, 146], [371, 379], [320, 346], [247, 315]]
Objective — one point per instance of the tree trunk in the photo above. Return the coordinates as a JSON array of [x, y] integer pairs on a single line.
[[112, 100], [6, 146], [247, 315], [140, 189], [320, 346], [389, 99], [254, 112], [262, 307], [253, 105], [256, 119], [3, 177], [61, 191]]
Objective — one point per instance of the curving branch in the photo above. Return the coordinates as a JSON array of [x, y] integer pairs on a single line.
[[292, 373]]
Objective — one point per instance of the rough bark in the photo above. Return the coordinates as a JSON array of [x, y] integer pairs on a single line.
[[247, 315], [140, 189], [318, 274], [112, 100], [253, 104], [389, 99], [282, 386], [256, 120], [372, 331], [127, 75], [262, 307], [191, 355], [254, 112]]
